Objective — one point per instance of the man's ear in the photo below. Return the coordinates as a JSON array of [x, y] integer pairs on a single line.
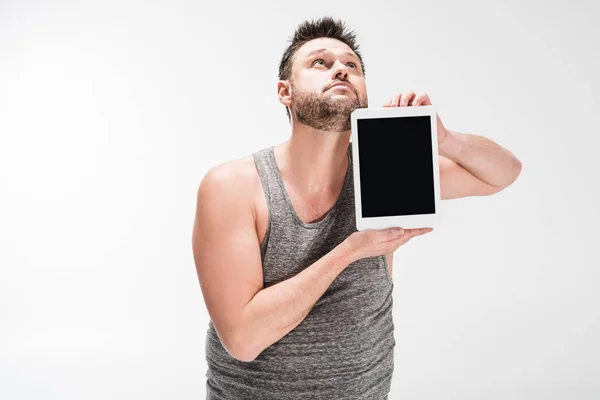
[[284, 92]]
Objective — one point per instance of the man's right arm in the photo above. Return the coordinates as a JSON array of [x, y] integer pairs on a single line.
[[247, 317]]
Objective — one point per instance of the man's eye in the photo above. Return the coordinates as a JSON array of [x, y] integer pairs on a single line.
[[323, 61]]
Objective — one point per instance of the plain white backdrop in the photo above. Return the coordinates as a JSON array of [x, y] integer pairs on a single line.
[[111, 112]]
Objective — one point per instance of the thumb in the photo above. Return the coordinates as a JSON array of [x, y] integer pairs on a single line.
[[395, 232]]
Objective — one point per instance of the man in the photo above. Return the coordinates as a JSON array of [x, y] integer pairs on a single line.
[[300, 302]]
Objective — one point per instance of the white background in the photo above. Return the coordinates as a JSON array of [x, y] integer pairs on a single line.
[[111, 112]]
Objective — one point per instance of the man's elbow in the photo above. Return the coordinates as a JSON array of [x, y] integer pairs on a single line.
[[509, 179], [516, 171], [240, 346], [518, 168], [242, 354]]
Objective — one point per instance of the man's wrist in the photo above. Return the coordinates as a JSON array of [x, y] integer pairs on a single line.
[[344, 253]]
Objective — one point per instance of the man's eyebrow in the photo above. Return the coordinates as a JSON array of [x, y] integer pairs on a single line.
[[327, 50]]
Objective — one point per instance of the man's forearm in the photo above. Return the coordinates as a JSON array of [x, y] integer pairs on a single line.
[[274, 311], [482, 157]]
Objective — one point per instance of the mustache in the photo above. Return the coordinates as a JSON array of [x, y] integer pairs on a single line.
[[341, 81]]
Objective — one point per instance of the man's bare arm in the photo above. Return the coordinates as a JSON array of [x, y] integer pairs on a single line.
[[472, 165], [248, 318]]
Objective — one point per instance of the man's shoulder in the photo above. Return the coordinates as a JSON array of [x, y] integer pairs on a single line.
[[238, 178], [238, 171]]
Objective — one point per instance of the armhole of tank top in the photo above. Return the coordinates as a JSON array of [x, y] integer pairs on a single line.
[[386, 267], [267, 193]]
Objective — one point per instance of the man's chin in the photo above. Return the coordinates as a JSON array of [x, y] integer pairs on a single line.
[[343, 95], [343, 103]]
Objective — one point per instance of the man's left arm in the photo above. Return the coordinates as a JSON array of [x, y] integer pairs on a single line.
[[472, 165]]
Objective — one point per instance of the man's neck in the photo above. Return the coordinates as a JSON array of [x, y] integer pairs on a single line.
[[315, 162]]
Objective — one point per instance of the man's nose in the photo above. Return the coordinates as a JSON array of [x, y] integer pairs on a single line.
[[340, 71]]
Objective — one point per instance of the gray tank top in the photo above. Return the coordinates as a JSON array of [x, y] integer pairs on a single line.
[[344, 348]]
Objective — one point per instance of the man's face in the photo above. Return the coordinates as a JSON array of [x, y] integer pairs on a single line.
[[316, 67]]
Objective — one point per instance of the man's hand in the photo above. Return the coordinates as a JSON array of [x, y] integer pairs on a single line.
[[376, 242], [409, 98]]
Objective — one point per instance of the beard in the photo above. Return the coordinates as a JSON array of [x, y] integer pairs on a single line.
[[325, 113]]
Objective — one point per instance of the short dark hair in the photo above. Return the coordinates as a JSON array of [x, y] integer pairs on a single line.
[[325, 27]]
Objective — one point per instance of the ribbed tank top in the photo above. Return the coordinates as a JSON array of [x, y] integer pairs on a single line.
[[344, 348]]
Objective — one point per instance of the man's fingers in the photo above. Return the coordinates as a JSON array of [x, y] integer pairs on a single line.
[[423, 231], [418, 231], [404, 235], [406, 98]]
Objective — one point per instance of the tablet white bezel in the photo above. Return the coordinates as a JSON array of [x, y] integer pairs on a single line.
[[404, 221]]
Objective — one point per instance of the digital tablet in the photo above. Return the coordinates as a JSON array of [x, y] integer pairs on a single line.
[[395, 165]]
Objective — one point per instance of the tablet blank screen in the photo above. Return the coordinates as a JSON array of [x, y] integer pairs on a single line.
[[396, 166]]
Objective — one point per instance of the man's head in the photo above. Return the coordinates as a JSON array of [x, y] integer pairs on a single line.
[[322, 53]]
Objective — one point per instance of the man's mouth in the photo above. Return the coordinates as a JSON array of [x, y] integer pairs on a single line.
[[341, 84]]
